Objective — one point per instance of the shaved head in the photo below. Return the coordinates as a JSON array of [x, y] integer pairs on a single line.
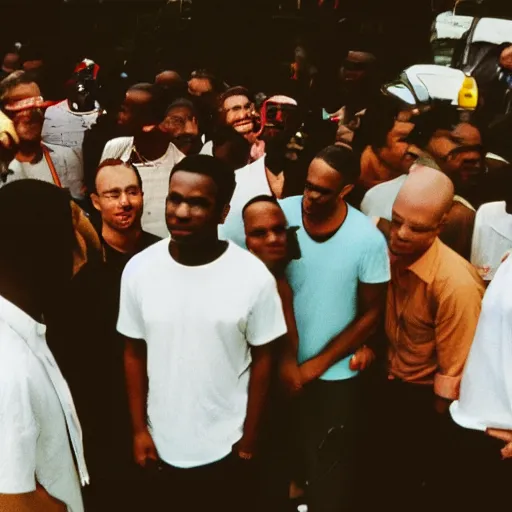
[[420, 211], [428, 191], [169, 79]]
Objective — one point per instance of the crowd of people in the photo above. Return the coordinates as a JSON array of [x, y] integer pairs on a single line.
[[213, 298]]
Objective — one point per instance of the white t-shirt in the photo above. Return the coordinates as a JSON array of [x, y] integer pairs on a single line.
[[68, 166], [199, 324], [492, 238], [251, 181], [155, 181], [207, 149], [379, 200], [34, 403], [486, 388], [64, 127]]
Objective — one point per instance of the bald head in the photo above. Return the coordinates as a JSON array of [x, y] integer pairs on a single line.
[[427, 190], [420, 211]]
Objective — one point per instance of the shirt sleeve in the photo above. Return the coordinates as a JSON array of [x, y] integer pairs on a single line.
[[130, 321], [18, 437], [456, 322], [374, 266], [266, 320]]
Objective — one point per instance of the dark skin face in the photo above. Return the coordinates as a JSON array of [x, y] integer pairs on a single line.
[[132, 116], [192, 212], [181, 125], [447, 147], [265, 232], [323, 188]]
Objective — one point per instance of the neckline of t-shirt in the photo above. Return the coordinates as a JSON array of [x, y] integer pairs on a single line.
[[151, 163], [199, 268], [331, 236]]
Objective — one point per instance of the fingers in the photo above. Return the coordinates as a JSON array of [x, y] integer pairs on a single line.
[[503, 435], [506, 453]]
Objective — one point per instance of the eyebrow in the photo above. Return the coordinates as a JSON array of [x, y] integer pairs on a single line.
[[317, 188]]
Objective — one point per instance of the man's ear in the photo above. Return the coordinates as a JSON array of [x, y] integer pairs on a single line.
[[345, 191], [224, 214], [96, 201], [149, 128]]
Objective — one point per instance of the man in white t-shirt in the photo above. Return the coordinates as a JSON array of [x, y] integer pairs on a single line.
[[198, 315], [149, 149], [37, 468]]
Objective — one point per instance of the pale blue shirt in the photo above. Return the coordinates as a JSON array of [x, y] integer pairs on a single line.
[[325, 280]]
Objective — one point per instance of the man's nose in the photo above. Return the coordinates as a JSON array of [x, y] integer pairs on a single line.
[[191, 127], [183, 211], [124, 199]]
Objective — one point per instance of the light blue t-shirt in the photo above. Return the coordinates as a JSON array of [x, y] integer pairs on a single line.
[[325, 280]]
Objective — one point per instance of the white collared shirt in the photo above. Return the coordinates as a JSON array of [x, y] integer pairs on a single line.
[[492, 238], [486, 388], [36, 415]]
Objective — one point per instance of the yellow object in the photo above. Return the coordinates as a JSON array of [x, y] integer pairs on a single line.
[[468, 94], [6, 127]]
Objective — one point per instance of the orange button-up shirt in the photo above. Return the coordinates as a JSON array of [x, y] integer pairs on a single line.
[[432, 313]]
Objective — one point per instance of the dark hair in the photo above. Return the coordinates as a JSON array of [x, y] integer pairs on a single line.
[[38, 208], [342, 160], [235, 91], [218, 171], [217, 85], [378, 120], [182, 102], [442, 116], [116, 162], [156, 108], [260, 199], [240, 147]]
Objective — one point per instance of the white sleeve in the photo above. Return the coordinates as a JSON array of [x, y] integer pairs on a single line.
[[18, 436], [266, 320], [130, 321]]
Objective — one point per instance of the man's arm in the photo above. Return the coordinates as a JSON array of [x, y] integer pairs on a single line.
[[37, 501], [372, 299], [289, 368], [259, 383], [456, 322], [135, 364]]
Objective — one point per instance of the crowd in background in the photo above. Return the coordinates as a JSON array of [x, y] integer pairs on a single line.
[[280, 287]]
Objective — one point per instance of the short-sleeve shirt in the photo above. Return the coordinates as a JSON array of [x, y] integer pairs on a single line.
[[34, 442], [492, 238], [155, 181], [199, 324], [325, 280]]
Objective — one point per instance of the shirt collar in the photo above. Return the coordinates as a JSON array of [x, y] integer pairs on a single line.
[[20, 322], [426, 266]]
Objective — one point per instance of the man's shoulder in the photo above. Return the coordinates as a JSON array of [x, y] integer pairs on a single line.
[[363, 228], [148, 239], [455, 275], [148, 260], [15, 358], [291, 205], [490, 211], [248, 265]]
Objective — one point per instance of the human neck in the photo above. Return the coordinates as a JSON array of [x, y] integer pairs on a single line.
[[29, 151], [151, 145], [318, 227], [122, 241], [196, 255], [15, 291]]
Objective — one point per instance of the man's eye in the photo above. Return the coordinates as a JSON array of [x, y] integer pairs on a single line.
[[258, 233]]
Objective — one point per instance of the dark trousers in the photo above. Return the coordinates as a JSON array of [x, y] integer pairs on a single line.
[[327, 443], [221, 486], [482, 480], [415, 452]]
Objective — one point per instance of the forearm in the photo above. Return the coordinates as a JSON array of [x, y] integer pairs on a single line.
[[290, 342], [137, 387], [259, 384], [37, 501], [353, 337]]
